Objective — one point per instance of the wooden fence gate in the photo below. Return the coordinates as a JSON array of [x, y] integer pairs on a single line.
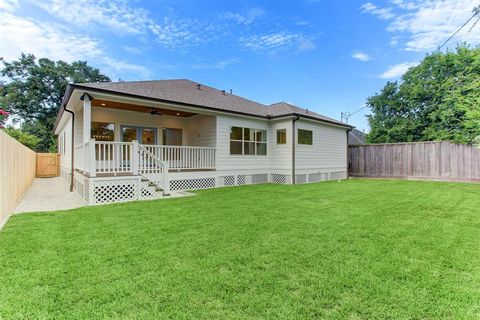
[[426, 160], [48, 165]]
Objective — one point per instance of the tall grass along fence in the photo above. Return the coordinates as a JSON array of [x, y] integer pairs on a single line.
[[17, 171], [422, 160]]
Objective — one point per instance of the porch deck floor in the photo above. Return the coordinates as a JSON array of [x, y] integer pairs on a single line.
[[49, 194], [128, 174]]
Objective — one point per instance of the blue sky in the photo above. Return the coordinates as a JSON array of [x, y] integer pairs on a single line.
[[324, 55]]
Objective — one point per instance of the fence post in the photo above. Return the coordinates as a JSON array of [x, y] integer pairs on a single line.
[[134, 157], [92, 158]]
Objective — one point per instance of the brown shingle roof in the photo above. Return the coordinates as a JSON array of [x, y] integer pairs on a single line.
[[187, 92], [277, 109]]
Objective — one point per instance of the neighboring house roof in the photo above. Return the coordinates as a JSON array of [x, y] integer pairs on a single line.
[[191, 93], [356, 137]]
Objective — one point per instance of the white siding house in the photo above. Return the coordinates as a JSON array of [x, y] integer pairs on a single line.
[[144, 140]]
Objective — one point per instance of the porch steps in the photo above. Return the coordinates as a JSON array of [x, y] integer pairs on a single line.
[[150, 189]]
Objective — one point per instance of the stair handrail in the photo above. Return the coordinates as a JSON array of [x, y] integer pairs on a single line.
[[163, 165]]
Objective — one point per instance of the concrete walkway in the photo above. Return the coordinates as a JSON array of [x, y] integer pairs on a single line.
[[49, 194]]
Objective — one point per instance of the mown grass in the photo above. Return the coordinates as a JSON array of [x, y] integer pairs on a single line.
[[358, 249]]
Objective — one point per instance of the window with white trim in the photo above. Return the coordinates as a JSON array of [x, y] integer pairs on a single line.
[[248, 141]]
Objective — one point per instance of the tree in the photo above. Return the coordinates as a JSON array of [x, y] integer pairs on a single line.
[[24, 138], [437, 100], [34, 89]]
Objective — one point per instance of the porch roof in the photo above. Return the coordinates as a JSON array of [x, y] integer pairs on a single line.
[[186, 92]]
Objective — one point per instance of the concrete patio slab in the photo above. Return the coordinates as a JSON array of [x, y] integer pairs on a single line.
[[49, 194]]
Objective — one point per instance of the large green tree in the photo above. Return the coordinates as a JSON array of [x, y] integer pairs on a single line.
[[437, 100], [33, 91]]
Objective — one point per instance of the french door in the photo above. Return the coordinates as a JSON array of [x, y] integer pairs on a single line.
[[143, 135]]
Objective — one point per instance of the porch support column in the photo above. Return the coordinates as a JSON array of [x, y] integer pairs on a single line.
[[134, 158], [87, 115]]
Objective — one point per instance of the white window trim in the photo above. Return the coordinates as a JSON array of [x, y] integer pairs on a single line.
[[243, 155]]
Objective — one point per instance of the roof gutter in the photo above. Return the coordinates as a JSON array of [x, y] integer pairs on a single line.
[[293, 147]]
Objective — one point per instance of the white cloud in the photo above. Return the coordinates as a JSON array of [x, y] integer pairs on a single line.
[[55, 42], [271, 41], [181, 33], [397, 70], [382, 13], [427, 24], [405, 4], [362, 56], [9, 5], [119, 17], [432, 22], [114, 14], [247, 18]]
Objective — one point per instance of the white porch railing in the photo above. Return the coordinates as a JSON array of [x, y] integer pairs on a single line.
[[152, 168], [104, 157], [184, 157], [113, 157]]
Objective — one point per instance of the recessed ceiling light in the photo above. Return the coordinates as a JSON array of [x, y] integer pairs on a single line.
[[178, 113], [103, 104]]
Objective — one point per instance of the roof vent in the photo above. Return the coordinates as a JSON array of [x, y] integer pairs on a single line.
[[306, 110], [231, 91], [223, 92], [199, 86]]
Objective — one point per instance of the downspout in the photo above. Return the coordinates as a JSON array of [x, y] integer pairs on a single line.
[[293, 146], [72, 169]]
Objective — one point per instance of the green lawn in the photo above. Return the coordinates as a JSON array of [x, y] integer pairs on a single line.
[[357, 249]]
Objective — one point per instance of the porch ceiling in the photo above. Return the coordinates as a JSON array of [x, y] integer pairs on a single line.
[[138, 108]]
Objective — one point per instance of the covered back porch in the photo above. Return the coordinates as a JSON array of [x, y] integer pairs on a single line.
[[115, 138]]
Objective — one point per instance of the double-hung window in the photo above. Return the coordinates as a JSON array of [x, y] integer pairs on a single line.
[[248, 141]]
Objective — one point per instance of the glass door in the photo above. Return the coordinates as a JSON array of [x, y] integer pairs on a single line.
[[141, 134]]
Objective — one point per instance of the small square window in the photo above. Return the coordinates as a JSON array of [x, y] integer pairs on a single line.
[[282, 136], [305, 137]]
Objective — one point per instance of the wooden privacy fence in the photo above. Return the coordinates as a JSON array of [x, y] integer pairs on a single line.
[[17, 171], [425, 160]]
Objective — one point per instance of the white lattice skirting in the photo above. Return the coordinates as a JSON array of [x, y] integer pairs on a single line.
[[231, 180], [120, 189]]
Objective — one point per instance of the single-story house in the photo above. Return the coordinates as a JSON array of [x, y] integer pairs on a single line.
[[123, 141]]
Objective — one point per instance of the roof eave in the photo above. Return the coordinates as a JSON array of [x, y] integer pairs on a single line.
[[295, 114], [71, 87], [65, 99]]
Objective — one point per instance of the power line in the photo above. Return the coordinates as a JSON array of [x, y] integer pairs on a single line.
[[476, 12], [346, 115]]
